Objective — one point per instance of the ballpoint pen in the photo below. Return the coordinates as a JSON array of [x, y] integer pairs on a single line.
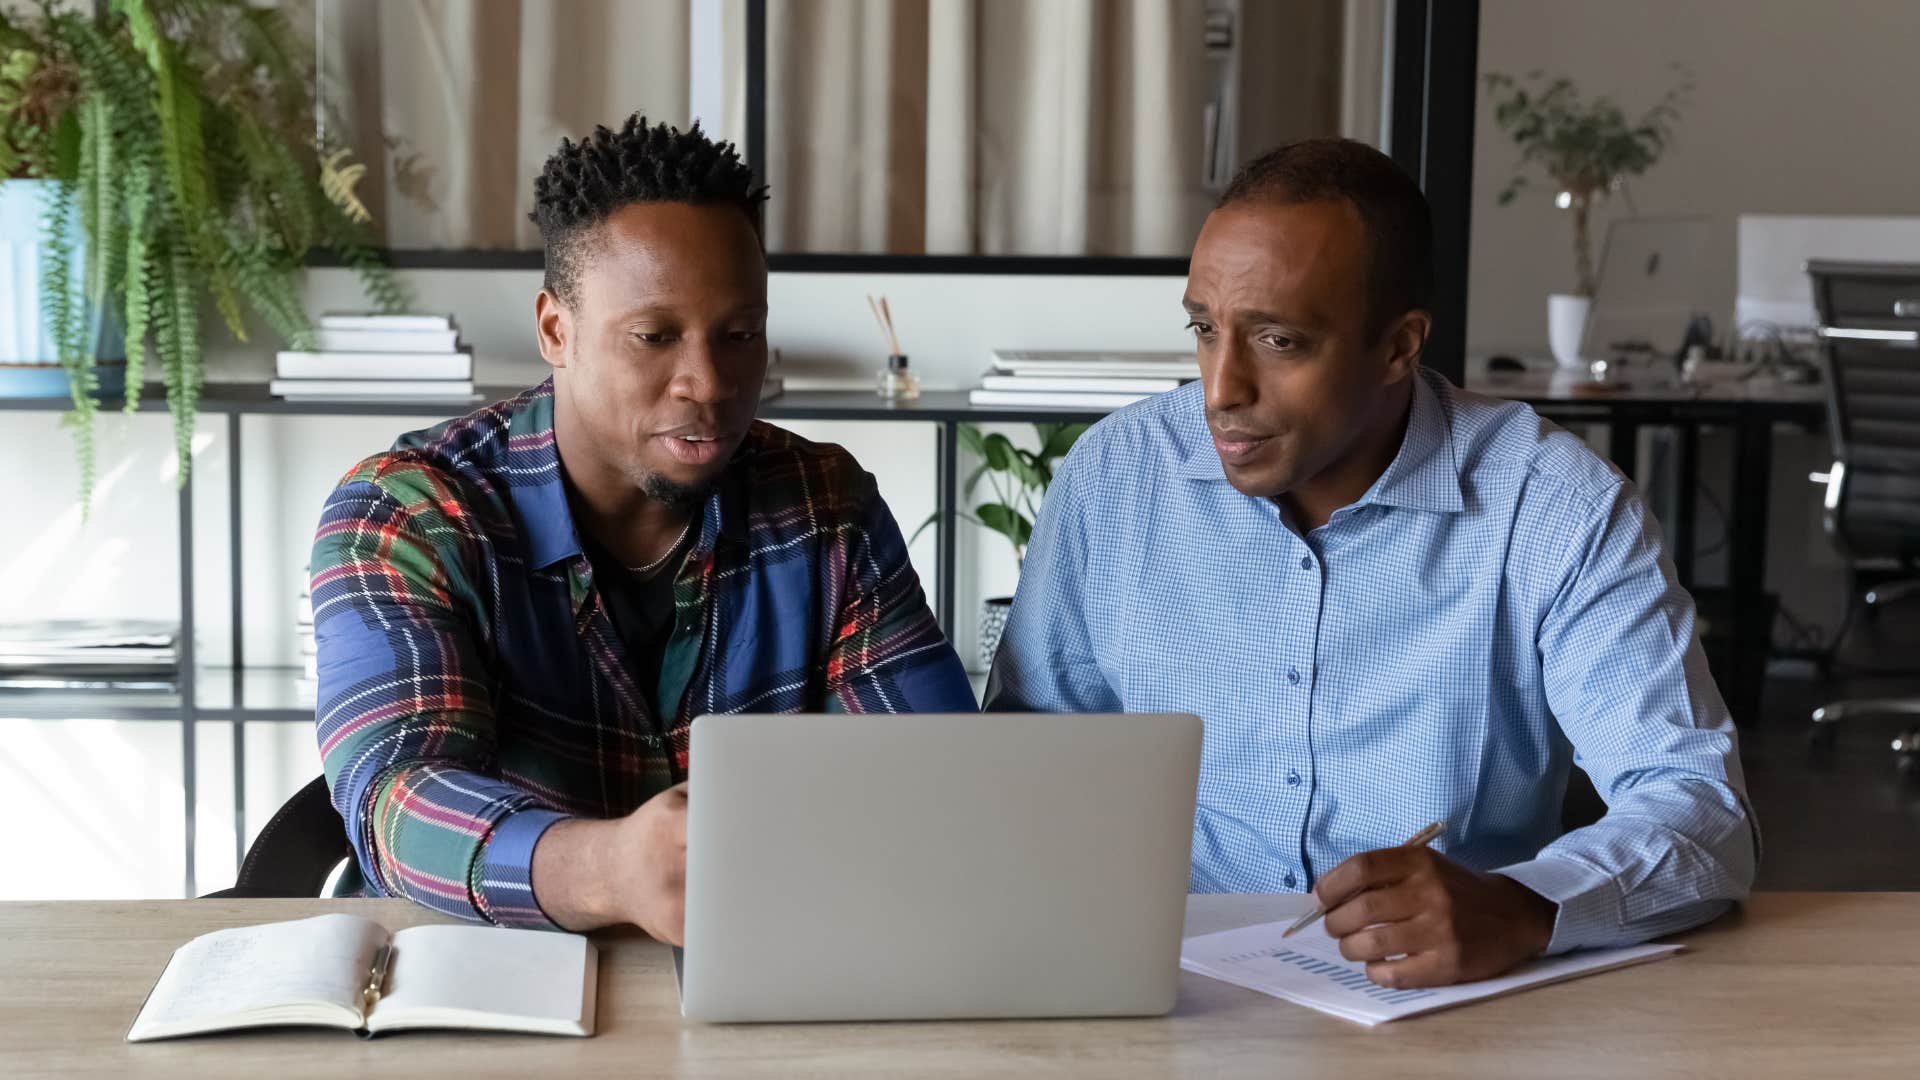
[[1425, 836]]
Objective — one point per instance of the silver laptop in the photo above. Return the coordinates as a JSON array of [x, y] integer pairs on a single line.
[[1653, 279], [936, 866]]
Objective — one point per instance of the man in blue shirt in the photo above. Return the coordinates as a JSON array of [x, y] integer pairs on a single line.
[[1393, 602]]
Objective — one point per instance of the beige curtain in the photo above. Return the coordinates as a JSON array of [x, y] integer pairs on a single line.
[[1031, 127], [455, 104]]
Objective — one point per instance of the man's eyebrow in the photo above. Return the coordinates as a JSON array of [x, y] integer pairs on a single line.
[[641, 308], [1194, 307]]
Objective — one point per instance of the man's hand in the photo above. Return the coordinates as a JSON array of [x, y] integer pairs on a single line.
[[589, 874], [1444, 923]]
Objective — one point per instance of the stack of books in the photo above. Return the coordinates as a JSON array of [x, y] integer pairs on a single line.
[[773, 385], [378, 357], [1082, 380], [89, 654]]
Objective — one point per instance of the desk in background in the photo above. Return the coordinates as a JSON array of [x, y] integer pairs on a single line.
[[1795, 985]]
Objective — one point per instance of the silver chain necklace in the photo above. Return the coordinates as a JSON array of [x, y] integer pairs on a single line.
[[643, 571]]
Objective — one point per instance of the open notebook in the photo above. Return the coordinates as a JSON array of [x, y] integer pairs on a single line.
[[347, 972]]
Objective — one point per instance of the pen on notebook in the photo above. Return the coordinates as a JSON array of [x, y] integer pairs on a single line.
[[377, 978], [1425, 836]]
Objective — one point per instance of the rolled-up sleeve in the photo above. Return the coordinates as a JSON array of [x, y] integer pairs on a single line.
[[404, 715], [1627, 681]]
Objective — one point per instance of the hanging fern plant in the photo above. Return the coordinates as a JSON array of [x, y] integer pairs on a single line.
[[179, 137]]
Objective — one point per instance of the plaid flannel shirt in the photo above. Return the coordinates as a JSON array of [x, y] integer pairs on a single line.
[[473, 690]]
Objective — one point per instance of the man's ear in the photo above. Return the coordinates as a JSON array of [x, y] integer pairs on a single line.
[[553, 327], [1406, 340]]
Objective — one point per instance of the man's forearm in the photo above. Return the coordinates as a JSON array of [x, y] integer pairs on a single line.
[[571, 879]]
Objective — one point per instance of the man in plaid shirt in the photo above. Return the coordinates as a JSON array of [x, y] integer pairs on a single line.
[[520, 612]]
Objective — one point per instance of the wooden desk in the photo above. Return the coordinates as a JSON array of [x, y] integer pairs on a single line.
[[1796, 985]]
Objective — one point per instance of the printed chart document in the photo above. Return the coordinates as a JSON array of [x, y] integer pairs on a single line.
[[1307, 969], [348, 972]]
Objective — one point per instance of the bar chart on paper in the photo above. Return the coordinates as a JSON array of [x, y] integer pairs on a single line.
[[1307, 969], [1343, 975]]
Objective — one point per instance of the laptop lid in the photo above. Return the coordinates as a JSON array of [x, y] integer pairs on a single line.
[[937, 866], [1653, 280]]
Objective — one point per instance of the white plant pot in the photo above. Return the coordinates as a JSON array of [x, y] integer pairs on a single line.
[[1566, 325]]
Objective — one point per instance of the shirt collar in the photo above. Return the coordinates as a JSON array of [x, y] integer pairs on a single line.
[[530, 468], [534, 478], [1423, 475]]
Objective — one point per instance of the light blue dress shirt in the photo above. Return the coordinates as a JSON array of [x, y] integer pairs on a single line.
[[1496, 609]]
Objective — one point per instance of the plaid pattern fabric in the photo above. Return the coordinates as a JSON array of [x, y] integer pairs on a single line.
[[473, 690], [1495, 610]]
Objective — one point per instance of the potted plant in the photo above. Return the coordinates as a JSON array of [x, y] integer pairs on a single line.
[[1587, 148], [1019, 479], [168, 148]]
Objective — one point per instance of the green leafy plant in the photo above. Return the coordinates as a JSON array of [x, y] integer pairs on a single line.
[[1018, 477], [179, 138], [1586, 147]]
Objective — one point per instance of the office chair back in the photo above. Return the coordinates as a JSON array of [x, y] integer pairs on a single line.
[[1870, 328], [297, 851]]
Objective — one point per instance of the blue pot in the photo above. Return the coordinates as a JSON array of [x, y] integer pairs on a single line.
[[29, 362]]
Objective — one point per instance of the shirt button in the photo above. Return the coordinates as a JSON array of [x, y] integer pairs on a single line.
[[1293, 676], [1289, 880], [1293, 777], [1306, 562]]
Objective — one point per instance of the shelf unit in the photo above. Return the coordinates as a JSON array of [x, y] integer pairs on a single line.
[[241, 694]]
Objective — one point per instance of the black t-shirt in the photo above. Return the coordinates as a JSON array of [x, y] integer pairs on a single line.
[[641, 608]]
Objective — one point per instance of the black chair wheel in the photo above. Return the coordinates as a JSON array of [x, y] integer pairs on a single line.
[[1822, 737]]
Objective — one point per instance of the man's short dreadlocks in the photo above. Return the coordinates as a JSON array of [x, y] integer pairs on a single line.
[[584, 182]]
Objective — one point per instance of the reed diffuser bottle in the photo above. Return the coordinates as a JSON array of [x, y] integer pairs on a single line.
[[895, 382]]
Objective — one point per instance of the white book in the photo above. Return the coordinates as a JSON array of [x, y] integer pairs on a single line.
[[1096, 371], [364, 320], [1055, 400], [1074, 384], [87, 633], [1307, 969], [1176, 365], [347, 972], [332, 339], [371, 388], [373, 365]]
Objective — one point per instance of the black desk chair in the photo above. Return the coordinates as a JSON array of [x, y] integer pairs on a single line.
[[1870, 332], [297, 851]]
